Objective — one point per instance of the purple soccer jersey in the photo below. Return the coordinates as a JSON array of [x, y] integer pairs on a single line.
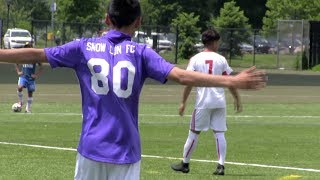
[[111, 72]]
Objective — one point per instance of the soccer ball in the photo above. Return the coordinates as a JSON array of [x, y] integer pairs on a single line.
[[16, 107]]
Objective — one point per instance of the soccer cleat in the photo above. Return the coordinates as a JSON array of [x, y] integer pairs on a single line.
[[27, 112], [219, 170], [183, 167]]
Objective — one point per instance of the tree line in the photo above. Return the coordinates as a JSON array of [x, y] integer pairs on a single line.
[[260, 14], [193, 16]]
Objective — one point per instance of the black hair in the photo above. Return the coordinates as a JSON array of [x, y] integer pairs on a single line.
[[209, 36], [123, 12]]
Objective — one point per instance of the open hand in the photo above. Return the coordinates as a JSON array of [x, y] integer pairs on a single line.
[[250, 79], [34, 76]]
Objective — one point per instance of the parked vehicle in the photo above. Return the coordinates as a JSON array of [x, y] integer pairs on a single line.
[[16, 38], [162, 41], [199, 46], [140, 37], [246, 48], [261, 44]]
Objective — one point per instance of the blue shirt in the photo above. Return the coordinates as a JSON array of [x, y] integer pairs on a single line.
[[28, 70], [111, 72]]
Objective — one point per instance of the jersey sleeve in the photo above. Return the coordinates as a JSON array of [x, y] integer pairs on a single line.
[[67, 55], [227, 69], [191, 65], [155, 66]]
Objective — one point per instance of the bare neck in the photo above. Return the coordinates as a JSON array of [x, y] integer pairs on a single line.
[[125, 29], [211, 47]]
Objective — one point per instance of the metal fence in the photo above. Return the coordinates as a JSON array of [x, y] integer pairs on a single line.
[[45, 36], [292, 39], [314, 56], [281, 48], [1, 33]]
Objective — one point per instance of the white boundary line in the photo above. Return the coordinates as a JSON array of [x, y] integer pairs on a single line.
[[176, 115], [173, 95], [171, 158]]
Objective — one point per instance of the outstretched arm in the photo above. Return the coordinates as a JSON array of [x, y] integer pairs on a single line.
[[186, 92], [23, 56], [247, 79], [236, 98]]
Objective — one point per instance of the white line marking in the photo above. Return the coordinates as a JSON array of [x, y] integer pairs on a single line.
[[240, 164], [176, 115], [171, 158], [39, 146], [175, 95]]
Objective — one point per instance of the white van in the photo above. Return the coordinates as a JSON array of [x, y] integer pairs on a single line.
[[140, 37], [17, 38], [162, 41]]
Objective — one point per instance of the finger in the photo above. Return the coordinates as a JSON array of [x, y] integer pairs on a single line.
[[254, 85], [258, 79], [249, 70], [259, 86], [259, 74]]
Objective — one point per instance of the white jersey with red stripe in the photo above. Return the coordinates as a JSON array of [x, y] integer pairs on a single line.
[[210, 63]]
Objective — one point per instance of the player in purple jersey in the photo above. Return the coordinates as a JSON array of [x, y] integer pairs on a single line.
[[111, 70], [27, 75]]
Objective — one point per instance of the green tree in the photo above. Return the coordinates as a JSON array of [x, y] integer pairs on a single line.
[[290, 10], [35, 9], [188, 34], [81, 11], [21, 12], [20, 18], [162, 12], [254, 10], [3, 10], [81, 16], [205, 9], [159, 12], [233, 27]]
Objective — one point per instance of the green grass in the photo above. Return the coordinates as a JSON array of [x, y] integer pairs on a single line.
[[278, 127], [266, 61]]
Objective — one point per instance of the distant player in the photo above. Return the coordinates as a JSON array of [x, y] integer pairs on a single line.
[[27, 75], [210, 106], [111, 71]]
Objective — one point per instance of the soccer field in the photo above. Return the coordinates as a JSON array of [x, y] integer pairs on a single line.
[[277, 136]]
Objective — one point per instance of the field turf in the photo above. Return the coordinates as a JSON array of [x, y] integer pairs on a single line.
[[277, 136]]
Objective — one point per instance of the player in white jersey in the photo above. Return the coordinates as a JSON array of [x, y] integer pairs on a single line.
[[210, 105]]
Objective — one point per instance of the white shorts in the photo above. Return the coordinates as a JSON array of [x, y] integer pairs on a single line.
[[87, 169], [203, 119]]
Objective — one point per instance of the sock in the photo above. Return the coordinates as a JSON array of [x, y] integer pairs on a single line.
[[28, 108], [190, 146], [20, 95], [221, 146]]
